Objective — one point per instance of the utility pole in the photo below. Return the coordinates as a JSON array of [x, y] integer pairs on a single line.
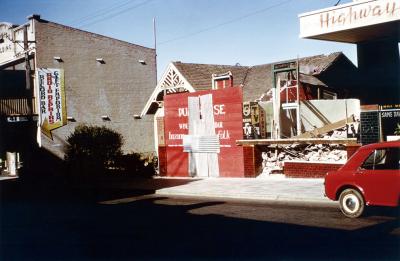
[[298, 115], [28, 72], [27, 64], [155, 48]]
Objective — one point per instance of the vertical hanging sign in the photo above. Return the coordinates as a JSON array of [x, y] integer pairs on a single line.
[[51, 99]]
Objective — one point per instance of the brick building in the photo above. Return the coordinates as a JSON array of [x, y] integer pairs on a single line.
[[106, 83], [318, 78]]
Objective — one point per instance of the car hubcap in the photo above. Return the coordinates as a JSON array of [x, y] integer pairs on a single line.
[[351, 203]]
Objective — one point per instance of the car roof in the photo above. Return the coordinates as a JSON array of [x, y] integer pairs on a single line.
[[387, 144]]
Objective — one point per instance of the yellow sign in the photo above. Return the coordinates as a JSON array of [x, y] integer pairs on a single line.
[[51, 100]]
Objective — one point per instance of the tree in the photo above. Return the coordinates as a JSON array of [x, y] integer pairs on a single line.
[[92, 149]]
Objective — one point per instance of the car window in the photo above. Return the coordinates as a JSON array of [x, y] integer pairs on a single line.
[[388, 158], [369, 162]]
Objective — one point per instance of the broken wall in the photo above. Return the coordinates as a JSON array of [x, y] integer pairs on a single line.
[[319, 113]]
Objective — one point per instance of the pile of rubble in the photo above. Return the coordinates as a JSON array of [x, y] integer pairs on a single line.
[[274, 157]]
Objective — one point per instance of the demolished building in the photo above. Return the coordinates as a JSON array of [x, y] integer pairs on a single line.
[[258, 87]]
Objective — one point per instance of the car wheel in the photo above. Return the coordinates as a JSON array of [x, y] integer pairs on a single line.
[[351, 203]]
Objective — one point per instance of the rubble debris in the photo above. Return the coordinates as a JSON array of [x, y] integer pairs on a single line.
[[274, 157]]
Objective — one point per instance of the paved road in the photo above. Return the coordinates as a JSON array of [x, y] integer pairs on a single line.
[[127, 225]]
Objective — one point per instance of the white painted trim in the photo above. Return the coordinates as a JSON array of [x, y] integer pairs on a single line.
[[215, 77], [159, 87], [159, 113], [340, 18]]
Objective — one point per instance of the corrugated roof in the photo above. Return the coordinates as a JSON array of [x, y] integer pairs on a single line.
[[256, 80]]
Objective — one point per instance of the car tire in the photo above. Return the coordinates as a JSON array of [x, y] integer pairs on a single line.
[[351, 203]]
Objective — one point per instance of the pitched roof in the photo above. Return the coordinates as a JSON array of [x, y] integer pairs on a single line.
[[199, 75], [255, 80], [314, 65]]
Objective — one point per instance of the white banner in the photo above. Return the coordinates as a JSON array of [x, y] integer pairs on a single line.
[[51, 99]]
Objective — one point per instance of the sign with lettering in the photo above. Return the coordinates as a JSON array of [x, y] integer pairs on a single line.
[[17, 119], [51, 99], [390, 120], [12, 41], [253, 121], [6, 45], [227, 110], [349, 16]]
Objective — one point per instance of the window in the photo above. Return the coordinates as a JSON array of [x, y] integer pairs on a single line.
[[222, 81], [388, 158]]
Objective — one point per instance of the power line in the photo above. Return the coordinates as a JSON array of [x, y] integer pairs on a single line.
[[115, 14], [225, 23], [100, 12], [338, 2]]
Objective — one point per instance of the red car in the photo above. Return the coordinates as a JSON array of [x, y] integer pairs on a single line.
[[370, 177]]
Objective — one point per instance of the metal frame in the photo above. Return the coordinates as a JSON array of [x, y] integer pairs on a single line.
[[288, 66]]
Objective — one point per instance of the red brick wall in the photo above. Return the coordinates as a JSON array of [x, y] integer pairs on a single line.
[[162, 160], [351, 149], [308, 169], [252, 161]]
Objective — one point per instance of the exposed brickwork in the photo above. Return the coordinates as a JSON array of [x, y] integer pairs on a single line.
[[252, 161], [118, 88], [308, 169], [351, 149], [162, 160], [248, 156], [258, 160], [369, 123]]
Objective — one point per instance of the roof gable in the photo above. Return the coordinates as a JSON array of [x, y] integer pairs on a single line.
[[199, 75], [255, 80]]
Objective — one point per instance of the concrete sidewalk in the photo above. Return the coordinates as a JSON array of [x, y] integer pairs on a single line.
[[277, 188], [4, 175]]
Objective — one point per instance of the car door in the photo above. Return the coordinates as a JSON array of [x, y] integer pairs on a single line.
[[379, 177]]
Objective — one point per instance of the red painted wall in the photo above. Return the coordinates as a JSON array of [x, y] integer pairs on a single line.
[[228, 117]]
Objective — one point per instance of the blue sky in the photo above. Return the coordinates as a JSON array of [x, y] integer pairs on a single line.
[[198, 31]]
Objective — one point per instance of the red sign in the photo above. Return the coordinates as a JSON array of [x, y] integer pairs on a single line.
[[227, 109]]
